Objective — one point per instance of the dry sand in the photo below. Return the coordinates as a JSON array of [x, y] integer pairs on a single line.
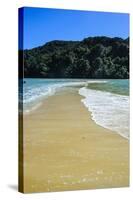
[[64, 149]]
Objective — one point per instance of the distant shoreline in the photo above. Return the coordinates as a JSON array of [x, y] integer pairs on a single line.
[[93, 57]]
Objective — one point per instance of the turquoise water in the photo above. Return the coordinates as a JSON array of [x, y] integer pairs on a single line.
[[107, 100], [35, 90], [114, 86]]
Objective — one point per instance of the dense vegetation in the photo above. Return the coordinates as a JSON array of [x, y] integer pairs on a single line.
[[93, 57]]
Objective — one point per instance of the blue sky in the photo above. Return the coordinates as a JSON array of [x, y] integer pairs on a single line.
[[42, 25]]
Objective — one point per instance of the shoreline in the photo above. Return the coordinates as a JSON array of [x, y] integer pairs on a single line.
[[66, 150], [78, 87], [109, 110]]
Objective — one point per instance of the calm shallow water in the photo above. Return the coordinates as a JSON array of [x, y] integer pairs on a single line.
[[108, 100], [113, 86]]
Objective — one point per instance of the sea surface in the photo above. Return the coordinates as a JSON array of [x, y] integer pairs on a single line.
[[107, 100]]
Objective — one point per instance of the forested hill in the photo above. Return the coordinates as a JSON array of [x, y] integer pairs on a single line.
[[93, 57]]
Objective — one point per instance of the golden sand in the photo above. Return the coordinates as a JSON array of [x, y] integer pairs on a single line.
[[64, 149]]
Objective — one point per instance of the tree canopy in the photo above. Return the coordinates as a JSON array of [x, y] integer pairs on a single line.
[[93, 57]]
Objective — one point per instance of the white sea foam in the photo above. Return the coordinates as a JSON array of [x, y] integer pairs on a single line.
[[33, 94], [108, 110]]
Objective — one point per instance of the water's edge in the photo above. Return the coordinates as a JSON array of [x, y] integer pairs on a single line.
[[109, 110]]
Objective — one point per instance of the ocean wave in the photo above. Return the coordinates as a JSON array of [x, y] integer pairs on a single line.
[[32, 94], [37, 90], [108, 110]]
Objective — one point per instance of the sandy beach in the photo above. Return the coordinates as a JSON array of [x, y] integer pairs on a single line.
[[64, 149]]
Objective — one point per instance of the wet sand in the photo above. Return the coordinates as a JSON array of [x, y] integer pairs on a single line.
[[64, 149]]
